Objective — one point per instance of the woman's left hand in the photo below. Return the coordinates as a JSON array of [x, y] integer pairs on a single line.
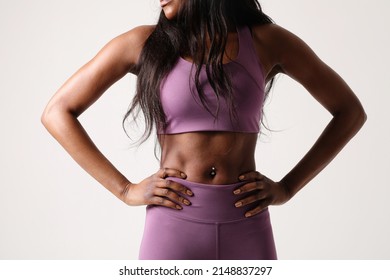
[[262, 192]]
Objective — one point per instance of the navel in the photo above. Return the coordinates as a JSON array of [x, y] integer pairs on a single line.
[[213, 171]]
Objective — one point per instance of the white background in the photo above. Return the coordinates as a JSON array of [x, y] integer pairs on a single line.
[[51, 209]]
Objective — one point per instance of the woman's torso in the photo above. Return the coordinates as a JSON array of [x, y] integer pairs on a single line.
[[196, 153], [218, 157]]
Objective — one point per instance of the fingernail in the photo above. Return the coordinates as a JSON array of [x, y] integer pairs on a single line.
[[189, 192], [248, 215], [242, 177], [183, 175], [179, 207], [186, 202], [237, 191], [238, 204]]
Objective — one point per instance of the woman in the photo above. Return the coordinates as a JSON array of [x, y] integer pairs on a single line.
[[202, 72]]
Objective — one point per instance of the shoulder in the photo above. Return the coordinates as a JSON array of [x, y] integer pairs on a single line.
[[270, 30], [274, 35], [130, 43], [138, 35], [279, 47]]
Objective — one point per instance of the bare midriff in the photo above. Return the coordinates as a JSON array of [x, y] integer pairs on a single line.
[[209, 157]]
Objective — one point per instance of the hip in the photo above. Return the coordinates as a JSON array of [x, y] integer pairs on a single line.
[[211, 203]]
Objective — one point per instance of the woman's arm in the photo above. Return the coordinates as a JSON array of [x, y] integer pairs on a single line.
[[290, 55], [80, 91]]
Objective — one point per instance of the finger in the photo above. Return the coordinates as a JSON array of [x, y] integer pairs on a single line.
[[172, 190], [166, 183], [171, 195], [178, 187], [251, 176], [251, 199], [158, 200], [249, 187], [170, 172], [264, 204]]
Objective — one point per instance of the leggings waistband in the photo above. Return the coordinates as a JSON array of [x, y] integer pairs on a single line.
[[210, 203]]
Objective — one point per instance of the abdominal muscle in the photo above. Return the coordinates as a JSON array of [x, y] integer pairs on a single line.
[[196, 153]]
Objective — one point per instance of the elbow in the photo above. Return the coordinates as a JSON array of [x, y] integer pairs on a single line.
[[364, 118], [52, 116], [360, 116], [48, 116], [354, 116], [45, 117]]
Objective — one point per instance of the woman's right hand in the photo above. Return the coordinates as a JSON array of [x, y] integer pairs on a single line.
[[158, 190]]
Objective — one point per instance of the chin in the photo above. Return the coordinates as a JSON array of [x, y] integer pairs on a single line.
[[170, 8], [170, 14]]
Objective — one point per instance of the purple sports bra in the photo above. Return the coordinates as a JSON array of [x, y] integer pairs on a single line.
[[184, 111]]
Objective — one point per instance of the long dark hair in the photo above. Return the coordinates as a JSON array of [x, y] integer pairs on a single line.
[[186, 36]]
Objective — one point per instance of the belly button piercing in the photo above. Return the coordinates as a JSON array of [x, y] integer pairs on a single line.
[[213, 171]]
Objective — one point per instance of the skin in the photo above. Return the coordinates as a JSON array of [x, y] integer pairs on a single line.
[[191, 155], [170, 8]]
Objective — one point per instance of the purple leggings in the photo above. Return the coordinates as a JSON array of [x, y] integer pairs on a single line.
[[211, 228]]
